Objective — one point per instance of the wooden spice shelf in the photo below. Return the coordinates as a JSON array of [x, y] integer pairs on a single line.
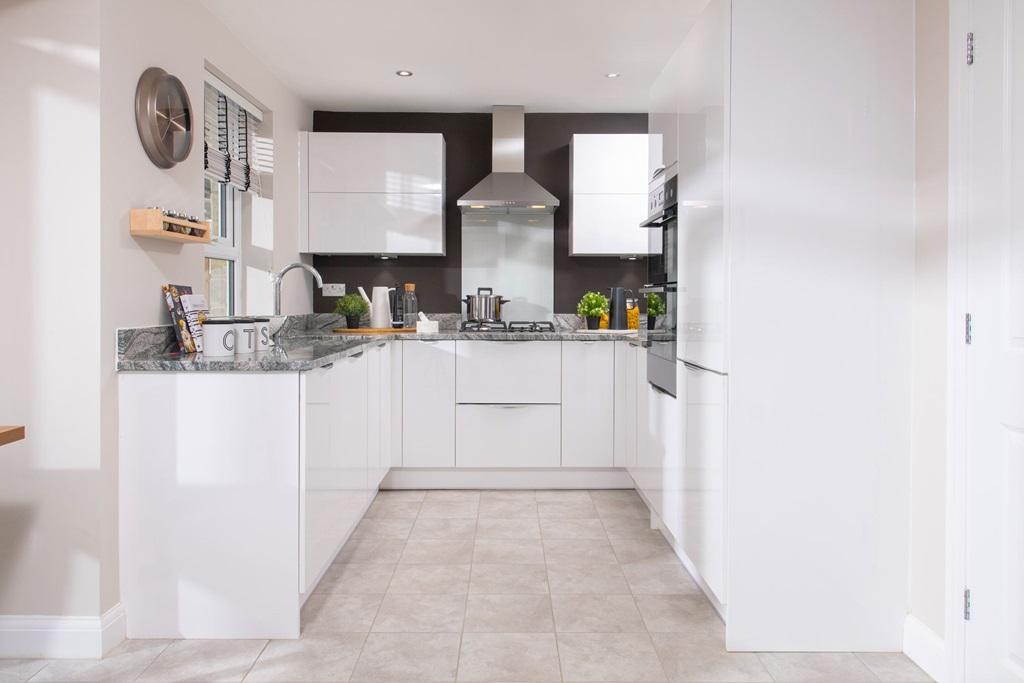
[[11, 434], [153, 223]]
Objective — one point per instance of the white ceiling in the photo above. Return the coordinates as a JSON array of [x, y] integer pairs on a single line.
[[548, 55]]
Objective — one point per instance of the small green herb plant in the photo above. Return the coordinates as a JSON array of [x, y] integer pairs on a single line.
[[351, 305], [655, 304], [592, 305]]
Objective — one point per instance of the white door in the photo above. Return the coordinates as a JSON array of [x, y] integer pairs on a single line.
[[994, 481]]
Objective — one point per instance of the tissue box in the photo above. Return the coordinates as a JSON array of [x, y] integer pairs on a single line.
[[427, 327]]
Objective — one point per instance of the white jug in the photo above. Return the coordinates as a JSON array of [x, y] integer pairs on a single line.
[[380, 308]]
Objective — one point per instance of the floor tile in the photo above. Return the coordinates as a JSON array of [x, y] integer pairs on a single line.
[[444, 529], [383, 527], [608, 657], [124, 663], [648, 551], [893, 667], [312, 658], [700, 655], [629, 527], [452, 496], [585, 551], [437, 552], [616, 495], [444, 509], [358, 578], [398, 657], [563, 496], [451, 579], [659, 579], [508, 529], [567, 509], [596, 614], [371, 551], [512, 508], [572, 529], [204, 660], [797, 667], [582, 578], [20, 670], [622, 508], [675, 613], [508, 614], [493, 657], [507, 495], [339, 613], [385, 507], [509, 579], [508, 552], [403, 496], [420, 614]]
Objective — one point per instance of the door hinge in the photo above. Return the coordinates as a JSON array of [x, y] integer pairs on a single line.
[[967, 604], [968, 331], [970, 49]]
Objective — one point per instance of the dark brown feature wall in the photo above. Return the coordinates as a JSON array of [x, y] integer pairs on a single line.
[[468, 160]]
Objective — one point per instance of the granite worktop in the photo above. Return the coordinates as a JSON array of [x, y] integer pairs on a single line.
[[306, 343]]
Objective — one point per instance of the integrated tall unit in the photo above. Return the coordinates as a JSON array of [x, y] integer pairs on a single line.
[[780, 472]]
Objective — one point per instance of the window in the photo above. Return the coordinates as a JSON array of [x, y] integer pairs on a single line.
[[237, 192], [223, 255]]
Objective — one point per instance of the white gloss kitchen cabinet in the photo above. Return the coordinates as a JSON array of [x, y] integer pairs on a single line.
[[588, 404], [609, 195], [231, 512], [371, 193], [428, 403], [809, 464]]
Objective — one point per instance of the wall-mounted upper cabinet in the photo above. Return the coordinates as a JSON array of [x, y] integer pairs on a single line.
[[663, 123], [372, 193], [609, 195]]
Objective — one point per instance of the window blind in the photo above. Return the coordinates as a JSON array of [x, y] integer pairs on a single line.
[[230, 132]]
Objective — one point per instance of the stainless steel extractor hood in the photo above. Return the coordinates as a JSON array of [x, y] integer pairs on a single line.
[[508, 189]]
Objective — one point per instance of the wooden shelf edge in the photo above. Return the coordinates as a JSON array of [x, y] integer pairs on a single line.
[[171, 236], [11, 434]]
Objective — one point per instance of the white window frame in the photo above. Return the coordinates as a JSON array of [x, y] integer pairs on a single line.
[[228, 246]]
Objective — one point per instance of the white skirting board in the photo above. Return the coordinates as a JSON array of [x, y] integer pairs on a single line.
[[465, 478], [51, 637], [925, 648]]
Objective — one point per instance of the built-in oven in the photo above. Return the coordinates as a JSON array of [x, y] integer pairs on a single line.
[[662, 276]]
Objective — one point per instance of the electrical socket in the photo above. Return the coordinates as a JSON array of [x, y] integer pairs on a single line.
[[334, 289]]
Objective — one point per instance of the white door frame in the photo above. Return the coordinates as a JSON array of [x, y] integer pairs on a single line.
[[954, 634]]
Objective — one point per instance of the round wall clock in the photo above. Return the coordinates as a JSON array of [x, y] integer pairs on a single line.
[[163, 115]]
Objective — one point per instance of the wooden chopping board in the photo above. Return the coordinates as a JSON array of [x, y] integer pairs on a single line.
[[374, 330]]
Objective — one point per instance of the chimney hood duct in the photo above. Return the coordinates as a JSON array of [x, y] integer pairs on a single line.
[[508, 189]]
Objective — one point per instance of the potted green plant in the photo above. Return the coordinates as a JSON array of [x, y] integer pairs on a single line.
[[353, 307], [591, 307], [655, 307]]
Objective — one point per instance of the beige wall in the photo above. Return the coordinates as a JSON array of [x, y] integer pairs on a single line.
[[928, 462], [134, 269], [51, 483], [72, 168]]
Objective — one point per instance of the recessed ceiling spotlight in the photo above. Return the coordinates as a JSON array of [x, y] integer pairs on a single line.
[[612, 74], [403, 73]]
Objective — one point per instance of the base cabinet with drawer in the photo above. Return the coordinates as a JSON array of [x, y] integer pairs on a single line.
[[507, 435]]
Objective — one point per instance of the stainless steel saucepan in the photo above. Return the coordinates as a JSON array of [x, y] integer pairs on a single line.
[[484, 306]]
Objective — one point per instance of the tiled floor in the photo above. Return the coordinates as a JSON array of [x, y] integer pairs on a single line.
[[489, 587]]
